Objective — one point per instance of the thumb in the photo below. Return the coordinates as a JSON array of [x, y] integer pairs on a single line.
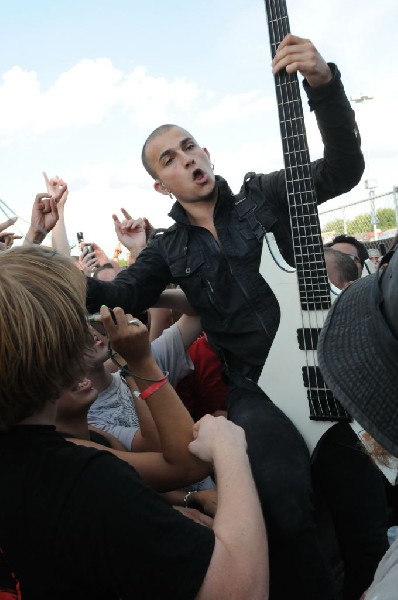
[[192, 447]]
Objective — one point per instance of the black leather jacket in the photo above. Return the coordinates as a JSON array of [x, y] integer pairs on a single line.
[[238, 309]]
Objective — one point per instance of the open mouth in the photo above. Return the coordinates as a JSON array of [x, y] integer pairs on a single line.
[[97, 341], [198, 175]]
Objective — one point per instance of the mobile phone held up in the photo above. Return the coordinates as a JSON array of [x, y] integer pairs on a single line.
[[86, 248], [96, 322]]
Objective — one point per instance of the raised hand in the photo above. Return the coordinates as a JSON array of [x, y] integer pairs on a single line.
[[99, 253], [7, 237], [53, 186], [298, 54], [127, 338], [131, 232], [87, 262]]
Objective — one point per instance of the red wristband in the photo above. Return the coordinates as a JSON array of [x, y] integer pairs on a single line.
[[153, 388]]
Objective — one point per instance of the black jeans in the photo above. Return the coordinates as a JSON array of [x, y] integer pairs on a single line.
[[353, 489], [280, 464]]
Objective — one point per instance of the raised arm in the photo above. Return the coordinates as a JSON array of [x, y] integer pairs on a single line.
[[175, 466], [343, 163], [59, 238], [44, 216], [135, 288]]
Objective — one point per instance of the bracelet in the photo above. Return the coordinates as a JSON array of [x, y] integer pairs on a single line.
[[125, 371], [186, 498], [153, 388]]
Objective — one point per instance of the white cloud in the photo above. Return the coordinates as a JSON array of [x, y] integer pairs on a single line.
[[237, 107], [148, 98], [84, 94]]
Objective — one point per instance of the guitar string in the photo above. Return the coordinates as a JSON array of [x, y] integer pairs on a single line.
[[309, 218], [279, 34], [289, 92]]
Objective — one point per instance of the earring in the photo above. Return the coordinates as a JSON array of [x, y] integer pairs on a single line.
[[171, 195], [212, 166]]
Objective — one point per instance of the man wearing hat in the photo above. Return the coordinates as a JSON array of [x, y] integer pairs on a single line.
[[358, 357]]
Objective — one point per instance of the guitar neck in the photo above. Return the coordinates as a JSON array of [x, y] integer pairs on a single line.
[[306, 233]]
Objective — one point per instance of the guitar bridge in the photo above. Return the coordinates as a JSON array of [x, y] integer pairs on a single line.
[[322, 403]]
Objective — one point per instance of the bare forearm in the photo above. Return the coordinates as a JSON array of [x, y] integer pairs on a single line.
[[34, 236], [176, 300], [59, 236], [161, 319], [173, 421], [239, 566], [147, 438]]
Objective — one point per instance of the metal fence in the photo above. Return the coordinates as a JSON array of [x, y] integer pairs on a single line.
[[372, 220]]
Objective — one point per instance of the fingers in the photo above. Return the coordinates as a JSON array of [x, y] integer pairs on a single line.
[[42, 197], [62, 189], [53, 207], [9, 235], [42, 202], [7, 223], [299, 54], [126, 214], [116, 219], [47, 181], [132, 225], [91, 263], [121, 324]]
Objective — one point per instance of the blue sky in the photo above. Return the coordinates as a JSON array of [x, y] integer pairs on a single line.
[[83, 83]]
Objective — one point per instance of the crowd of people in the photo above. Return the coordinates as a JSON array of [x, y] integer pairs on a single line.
[[138, 455]]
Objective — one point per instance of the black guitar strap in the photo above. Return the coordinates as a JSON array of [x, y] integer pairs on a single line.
[[260, 219]]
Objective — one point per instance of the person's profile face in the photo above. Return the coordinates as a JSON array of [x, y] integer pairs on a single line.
[[351, 251]]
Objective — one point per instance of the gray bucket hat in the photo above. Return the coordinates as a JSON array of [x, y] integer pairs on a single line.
[[358, 352]]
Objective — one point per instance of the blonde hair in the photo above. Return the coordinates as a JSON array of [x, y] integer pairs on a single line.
[[43, 329]]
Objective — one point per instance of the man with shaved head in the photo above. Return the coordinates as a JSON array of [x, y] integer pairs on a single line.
[[213, 253]]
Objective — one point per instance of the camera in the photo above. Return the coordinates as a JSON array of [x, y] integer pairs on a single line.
[[96, 322]]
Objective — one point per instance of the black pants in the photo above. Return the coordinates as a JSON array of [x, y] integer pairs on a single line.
[[353, 490], [280, 464]]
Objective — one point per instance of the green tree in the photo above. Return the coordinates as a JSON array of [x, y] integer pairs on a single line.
[[337, 225], [360, 224], [386, 218]]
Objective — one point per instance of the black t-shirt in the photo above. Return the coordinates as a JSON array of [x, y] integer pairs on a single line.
[[79, 523]]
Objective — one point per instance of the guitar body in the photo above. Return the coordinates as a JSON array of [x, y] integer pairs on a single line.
[[291, 376], [282, 377]]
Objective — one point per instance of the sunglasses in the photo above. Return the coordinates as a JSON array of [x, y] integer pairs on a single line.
[[354, 257]]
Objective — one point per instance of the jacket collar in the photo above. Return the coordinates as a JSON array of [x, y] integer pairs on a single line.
[[178, 213]]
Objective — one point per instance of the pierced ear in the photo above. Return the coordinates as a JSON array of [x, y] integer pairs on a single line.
[[161, 188]]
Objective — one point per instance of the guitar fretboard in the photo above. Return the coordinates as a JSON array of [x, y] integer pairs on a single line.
[[314, 289], [307, 241]]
